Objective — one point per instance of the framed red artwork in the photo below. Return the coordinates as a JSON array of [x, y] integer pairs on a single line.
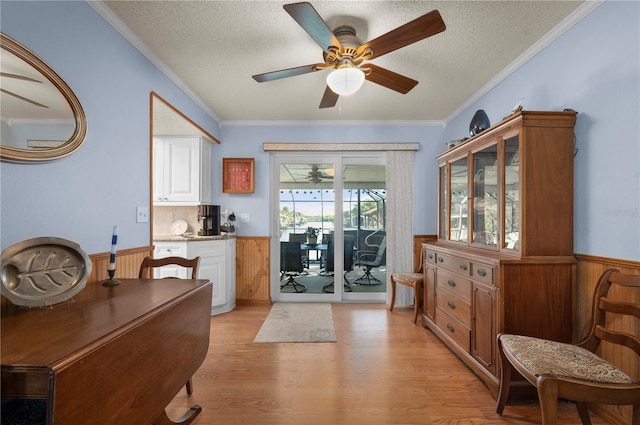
[[237, 175]]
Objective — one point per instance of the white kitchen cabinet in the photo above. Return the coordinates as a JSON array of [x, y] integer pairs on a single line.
[[170, 249], [217, 264], [231, 273], [182, 171]]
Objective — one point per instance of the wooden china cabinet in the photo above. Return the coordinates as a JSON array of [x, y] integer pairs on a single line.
[[504, 260]]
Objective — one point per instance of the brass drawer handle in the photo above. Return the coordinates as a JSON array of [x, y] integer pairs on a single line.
[[463, 266], [440, 259], [430, 256], [451, 283], [451, 305], [482, 272], [451, 329]]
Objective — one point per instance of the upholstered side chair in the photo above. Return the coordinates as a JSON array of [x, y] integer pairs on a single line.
[[413, 280]]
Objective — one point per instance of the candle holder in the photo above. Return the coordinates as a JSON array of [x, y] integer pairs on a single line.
[[111, 281]]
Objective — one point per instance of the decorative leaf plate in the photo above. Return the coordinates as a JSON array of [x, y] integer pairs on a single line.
[[41, 272], [178, 227]]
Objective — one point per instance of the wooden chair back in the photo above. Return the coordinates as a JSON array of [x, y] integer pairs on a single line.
[[604, 305], [150, 263]]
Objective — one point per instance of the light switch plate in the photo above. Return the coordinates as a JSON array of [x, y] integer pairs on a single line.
[[142, 215]]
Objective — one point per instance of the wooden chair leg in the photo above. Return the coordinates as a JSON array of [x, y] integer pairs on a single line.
[[189, 387], [505, 381], [186, 419], [583, 411], [416, 302], [548, 396], [393, 293], [635, 416]]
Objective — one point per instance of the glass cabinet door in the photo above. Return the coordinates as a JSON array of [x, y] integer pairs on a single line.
[[458, 210], [442, 214], [485, 197], [512, 193]]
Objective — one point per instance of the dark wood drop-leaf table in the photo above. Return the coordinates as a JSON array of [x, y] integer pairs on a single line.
[[111, 355]]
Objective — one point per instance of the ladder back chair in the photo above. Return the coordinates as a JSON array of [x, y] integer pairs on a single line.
[[576, 372], [146, 272]]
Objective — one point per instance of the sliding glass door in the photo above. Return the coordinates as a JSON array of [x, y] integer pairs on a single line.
[[364, 222], [328, 238]]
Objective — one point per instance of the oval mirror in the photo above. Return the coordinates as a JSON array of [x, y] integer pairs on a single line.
[[41, 117]]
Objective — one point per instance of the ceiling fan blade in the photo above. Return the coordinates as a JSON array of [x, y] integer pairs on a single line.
[[329, 99], [284, 73], [416, 30], [390, 79], [33, 102], [307, 17], [18, 77]]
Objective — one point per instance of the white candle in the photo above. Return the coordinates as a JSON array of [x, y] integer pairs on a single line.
[[114, 243]]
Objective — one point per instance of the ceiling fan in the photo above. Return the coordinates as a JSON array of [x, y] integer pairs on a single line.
[[316, 175], [346, 54]]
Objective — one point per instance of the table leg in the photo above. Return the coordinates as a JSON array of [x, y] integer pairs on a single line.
[[188, 417]]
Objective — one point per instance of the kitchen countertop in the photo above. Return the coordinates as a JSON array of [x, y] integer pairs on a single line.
[[194, 238]]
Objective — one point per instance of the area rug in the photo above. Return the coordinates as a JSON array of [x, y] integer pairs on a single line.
[[298, 322]]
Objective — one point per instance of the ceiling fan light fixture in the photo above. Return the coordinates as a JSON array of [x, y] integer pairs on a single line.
[[345, 81]]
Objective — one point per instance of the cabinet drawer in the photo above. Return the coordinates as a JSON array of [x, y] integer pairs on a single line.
[[430, 256], [215, 248], [454, 329], [455, 284], [482, 273], [170, 249], [455, 264], [454, 306]]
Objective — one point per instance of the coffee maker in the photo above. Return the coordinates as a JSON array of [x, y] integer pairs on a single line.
[[209, 218]]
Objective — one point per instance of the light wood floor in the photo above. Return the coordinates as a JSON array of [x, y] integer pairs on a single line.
[[382, 371]]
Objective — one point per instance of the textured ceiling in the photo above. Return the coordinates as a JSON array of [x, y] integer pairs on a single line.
[[215, 47]]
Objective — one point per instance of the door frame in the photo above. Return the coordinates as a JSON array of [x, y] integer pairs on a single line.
[[339, 160]]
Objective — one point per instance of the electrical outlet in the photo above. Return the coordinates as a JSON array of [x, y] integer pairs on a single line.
[[142, 215], [245, 217]]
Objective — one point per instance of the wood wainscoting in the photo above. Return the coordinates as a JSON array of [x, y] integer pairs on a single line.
[[127, 263], [589, 269], [252, 267], [252, 270]]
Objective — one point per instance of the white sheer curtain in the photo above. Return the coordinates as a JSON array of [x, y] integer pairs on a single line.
[[399, 176]]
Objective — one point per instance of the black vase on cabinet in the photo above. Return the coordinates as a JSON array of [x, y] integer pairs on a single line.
[[479, 123]]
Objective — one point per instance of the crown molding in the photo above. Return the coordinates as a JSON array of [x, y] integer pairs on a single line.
[[113, 20], [327, 123], [576, 16]]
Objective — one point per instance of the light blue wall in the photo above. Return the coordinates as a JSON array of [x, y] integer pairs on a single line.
[[594, 69], [247, 142], [82, 196]]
